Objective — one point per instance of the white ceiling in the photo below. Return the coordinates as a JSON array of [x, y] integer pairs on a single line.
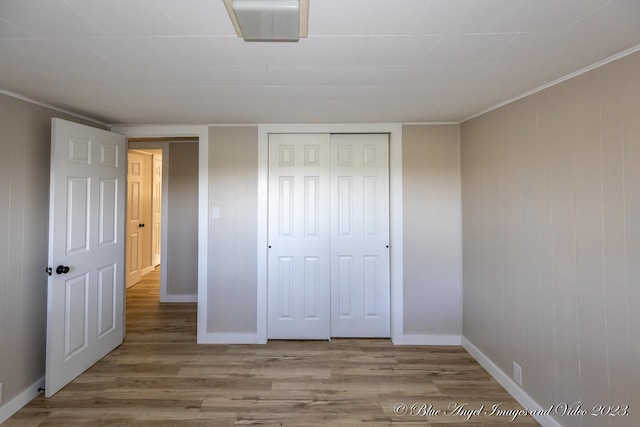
[[180, 61]]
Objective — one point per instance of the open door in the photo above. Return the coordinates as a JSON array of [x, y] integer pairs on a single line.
[[85, 301]]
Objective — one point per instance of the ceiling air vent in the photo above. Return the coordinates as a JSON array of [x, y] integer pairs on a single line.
[[269, 20]]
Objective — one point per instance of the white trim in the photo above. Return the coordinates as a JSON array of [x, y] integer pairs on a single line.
[[451, 122], [202, 132], [180, 298], [164, 222], [177, 125], [203, 234], [395, 209], [18, 402], [229, 338], [411, 339], [460, 229], [559, 80], [52, 107], [161, 131], [263, 207], [512, 388], [147, 270], [396, 234]]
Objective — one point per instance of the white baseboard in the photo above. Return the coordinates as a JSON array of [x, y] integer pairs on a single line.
[[179, 298], [15, 404], [228, 338], [411, 339], [147, 270], [512, 388]]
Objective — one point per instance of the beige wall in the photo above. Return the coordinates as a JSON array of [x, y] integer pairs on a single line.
[[432, 232], [25, 133], [182, 219], [232, 252], [432, 236], [551, 226]]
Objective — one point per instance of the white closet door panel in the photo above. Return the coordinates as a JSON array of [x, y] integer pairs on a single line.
[[299, 264], [328, 236], [360, 236]]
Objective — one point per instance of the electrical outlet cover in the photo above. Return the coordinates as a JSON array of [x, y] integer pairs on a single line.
[[517, 373]]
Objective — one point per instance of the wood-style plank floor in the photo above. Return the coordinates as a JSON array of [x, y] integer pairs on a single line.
[[159, 376]]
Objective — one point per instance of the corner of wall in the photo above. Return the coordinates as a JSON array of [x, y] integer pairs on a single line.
[[19, 401], [527, 402]]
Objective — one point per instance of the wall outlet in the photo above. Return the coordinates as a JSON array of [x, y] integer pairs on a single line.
[[517, 373], [215, 212]]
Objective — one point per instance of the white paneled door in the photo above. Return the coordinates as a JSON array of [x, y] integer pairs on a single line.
[[360, 291], [328, 236], [85, 301], [135, 221], [299, 237]]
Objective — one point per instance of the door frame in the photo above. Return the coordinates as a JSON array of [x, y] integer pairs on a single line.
[[202, 133], [395, 212]]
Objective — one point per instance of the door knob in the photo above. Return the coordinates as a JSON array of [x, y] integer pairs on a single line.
[[62, 269], [140, 225]]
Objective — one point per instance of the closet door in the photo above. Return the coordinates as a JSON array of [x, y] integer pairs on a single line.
[[360, 291], [299, 237]]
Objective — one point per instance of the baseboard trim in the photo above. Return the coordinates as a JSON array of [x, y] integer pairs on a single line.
[[147, 270], [419, 339], [179, 298], [228, 338], [14, 405], [512, 388]]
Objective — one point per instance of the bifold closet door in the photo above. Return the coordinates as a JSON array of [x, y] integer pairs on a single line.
[[328, 261], [299, 261], [360, 287]]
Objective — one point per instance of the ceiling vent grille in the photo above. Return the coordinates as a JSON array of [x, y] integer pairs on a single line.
[[269, 20]]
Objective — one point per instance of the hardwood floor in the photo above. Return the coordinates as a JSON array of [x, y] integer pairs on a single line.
[[160, 377]]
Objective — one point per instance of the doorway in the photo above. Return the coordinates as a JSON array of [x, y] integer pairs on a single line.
[[170, 218], [144, 213]]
